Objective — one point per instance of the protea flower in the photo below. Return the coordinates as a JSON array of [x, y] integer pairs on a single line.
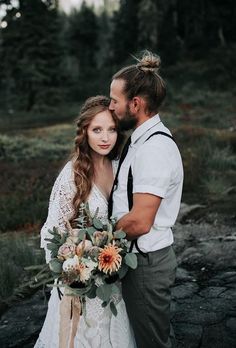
[[109, 259]]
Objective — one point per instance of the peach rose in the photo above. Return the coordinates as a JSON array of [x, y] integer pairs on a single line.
[[66, 251]]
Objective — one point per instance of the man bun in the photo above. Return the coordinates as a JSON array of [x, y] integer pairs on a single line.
[[149, 62]]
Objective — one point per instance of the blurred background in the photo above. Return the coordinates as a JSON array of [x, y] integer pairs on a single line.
[[54, 54]]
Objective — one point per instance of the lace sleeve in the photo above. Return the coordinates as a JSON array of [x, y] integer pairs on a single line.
[[60, 205]]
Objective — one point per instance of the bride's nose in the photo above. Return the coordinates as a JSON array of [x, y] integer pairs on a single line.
[[104, 137]]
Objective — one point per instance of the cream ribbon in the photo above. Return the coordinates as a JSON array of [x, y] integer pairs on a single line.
[[70, 310]]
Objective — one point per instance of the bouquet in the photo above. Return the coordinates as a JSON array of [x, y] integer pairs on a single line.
[[88, 260]]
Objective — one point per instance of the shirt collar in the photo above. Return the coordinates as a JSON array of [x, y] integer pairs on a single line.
[[144, 127]]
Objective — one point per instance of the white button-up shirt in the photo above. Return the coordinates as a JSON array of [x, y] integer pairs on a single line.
[[157, 169]]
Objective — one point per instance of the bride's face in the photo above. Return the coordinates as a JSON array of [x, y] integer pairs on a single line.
[[102, 133]]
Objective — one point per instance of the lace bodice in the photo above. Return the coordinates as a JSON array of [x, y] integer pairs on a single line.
[[60, 204], [98, 328]]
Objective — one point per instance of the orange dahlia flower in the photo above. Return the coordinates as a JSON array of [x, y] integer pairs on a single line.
[[109, 259]]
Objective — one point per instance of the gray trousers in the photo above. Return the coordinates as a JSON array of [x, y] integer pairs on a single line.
[[147, 294]]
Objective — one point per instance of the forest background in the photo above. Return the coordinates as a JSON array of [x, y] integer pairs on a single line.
[[50, 62]]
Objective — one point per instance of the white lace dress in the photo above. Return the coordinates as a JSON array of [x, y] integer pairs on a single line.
[[101, 329]]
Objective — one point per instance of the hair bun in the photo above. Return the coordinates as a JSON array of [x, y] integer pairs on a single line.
[[149, 62]]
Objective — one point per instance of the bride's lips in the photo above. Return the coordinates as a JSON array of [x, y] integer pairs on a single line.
[[104, 146]]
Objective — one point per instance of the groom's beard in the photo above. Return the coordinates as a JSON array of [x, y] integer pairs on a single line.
[[128, 121]]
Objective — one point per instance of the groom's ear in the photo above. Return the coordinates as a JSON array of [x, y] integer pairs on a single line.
[[136, 104]]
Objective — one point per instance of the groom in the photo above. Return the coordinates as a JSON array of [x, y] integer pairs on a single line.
[[146, 199]]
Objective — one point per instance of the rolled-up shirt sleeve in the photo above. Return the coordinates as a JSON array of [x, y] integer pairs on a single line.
[[151, 170]]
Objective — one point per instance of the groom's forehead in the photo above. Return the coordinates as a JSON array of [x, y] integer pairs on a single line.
[[117, 88]]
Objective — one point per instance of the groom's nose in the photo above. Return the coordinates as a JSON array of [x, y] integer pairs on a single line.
[[111, 105]]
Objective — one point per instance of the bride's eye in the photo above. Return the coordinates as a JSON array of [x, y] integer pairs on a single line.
[[113, 130], [97, 130]]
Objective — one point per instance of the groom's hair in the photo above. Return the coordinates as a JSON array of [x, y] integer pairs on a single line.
[[143, 79]]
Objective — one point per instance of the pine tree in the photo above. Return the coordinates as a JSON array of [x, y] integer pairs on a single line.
[[147, 24], [82, 38], [32, 55], [124, 39]]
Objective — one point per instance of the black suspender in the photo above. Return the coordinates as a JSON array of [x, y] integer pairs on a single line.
[[122, 157], [129, 184], [130, 192]]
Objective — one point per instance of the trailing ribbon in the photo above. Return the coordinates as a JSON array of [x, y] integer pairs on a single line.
[[70, 310]]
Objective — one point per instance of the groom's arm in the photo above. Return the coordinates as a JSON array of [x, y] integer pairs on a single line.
[[141, 217]]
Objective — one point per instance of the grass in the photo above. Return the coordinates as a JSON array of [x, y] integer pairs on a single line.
[[17, 251], [12, 120]]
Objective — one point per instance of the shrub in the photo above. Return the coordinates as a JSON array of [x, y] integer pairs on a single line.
[[17, 252]]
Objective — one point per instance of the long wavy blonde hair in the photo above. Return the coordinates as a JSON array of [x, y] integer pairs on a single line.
[[83, 166]]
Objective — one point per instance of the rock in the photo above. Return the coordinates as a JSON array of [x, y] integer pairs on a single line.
[[183, 275], [216, 337], [21, 324], [212, 292], [231, 324], [188, 335], [184, 291]]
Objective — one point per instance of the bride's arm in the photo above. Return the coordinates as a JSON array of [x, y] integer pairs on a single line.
[[60, 205]]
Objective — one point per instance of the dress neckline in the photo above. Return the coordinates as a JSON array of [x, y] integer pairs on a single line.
[[100, 192], [114, 168]]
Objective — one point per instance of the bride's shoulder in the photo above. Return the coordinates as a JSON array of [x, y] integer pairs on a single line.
[[66, 173]]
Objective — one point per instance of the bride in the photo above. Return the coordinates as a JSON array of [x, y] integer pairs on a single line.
[[87, 177]]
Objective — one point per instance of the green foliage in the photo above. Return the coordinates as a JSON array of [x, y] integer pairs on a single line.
[[82, 44], [17, 252], [125, 32], [104, 292], [209, 162], [25, 193], [216, 186], [12, 120], [222, 159], [113, 308], [131, 260], [20, 148], [55, 266], [32, 69]]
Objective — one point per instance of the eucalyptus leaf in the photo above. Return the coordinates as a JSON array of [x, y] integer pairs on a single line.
[[123, 270], [97, 224], [104, 292], [131, 260], [115, 289], [119, 234], [92, 292], [81, 234], [55, 265], [54, 254], [52, 246], [91, 230], [113, 308], [104, 304]]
